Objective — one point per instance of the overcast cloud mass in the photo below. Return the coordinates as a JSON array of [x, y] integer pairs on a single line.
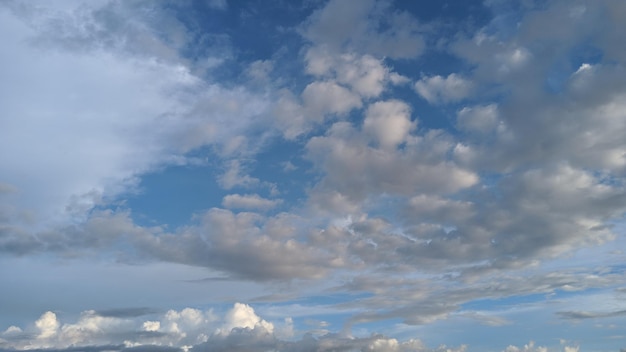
[[339, 175]]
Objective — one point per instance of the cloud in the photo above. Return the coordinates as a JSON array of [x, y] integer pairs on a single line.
[[104, 114], [249, 201], [478, 119], [395, 219], [437, 89], [48, 325], [125, 312], [365, 75], [348, 26], [530, 347], [242, 316], [242, 329], [355, 170], [234, 176], [590, 315], [328, 97], [389, 122]]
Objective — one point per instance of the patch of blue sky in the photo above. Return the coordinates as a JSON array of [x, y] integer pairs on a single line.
[[448, 12], [561, 71], [235, 31], [516, 301], [280, 163], [385, 327], [333, 299], [312, 313], [173, 195]]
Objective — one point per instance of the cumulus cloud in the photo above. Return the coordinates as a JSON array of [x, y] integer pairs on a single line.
[[478, 119], [439, 89], [242, 316], [365, 75], [242, 330], [356, 170], [348, 26], [388, 122], [249, 201], [329, 97]]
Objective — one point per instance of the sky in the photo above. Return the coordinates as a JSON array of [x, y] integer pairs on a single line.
[[315, 175]]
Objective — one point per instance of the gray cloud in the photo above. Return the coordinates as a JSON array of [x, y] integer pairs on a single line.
[[420, 221], [348, 26], [125, 312], [589, 315]]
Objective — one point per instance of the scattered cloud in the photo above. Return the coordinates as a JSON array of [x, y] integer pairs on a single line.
[[494, 192], [438, 89], [249, 201]]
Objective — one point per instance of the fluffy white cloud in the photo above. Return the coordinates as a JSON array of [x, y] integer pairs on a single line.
[[243, 316], [343, 25], [388, 122], [364, 74], [439, 89], [242, 328], [324, 97], [478, 119], [48, 325], [249, 201], [356, 170]]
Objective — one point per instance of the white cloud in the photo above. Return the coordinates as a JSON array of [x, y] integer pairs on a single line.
[[356, 170], [241, 328], [478, 119], [103, 116], [249, 201], [530, 347], [439, 89], [388, 122], [324, 97], [243, 316], [218, 4], [151, 325], [234, 176], [364, 74], [344, 25], [48, 325]]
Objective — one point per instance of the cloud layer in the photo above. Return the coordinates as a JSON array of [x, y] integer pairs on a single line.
[[378, 160]]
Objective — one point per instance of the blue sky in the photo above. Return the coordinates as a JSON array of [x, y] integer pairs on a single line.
[[313, 175]]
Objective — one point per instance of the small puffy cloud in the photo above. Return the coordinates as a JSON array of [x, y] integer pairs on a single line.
[[151, 325], [217, 4], [235, 176], [290, 117], [48, 325], [529, 347], [439, 89], [436, 209], [249, 201], [260, 70], [389, 122], [243, 316], [478, 119], [349, 26], [328, 97], [363, 74]]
